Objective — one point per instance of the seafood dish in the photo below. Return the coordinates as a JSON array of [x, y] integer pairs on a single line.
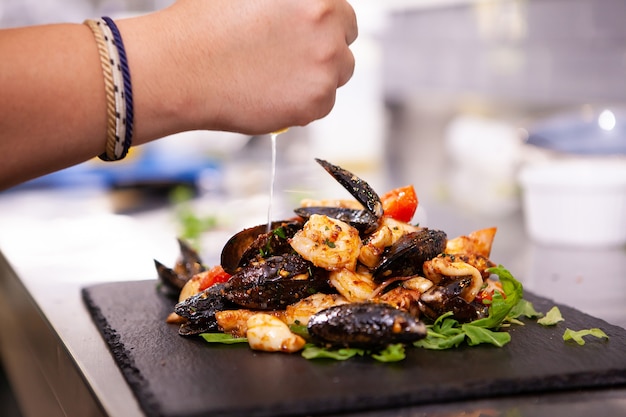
[[339, 274]]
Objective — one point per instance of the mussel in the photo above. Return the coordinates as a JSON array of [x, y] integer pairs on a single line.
[[365, 221], [408, 254], [188, 265], [366, 325], [359, 189], [200, 309], [275, 282], [447, 296]]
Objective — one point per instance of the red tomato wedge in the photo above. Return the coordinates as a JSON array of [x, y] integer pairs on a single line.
[[400, 203], [213, 276]]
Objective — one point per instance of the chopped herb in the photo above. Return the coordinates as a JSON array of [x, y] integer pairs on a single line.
[[280, 232], [330, 244]]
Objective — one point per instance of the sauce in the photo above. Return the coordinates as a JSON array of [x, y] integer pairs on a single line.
[[273, 136]]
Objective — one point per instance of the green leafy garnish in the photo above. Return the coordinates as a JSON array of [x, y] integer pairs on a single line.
[[280, 232], [524, 308], [318, 352], [552, 317], [447, 333], [223, 338], [577, 335], [479, 335], [392, 353]]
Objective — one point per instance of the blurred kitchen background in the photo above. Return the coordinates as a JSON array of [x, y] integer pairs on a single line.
[[455, 97]]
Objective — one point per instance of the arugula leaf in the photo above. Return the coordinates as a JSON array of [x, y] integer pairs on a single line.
[[577, 336], [501, 305], [552, 317], [437, 341], [477, 335], [318, 352], [524, 308], [392, 353], [223, 338]]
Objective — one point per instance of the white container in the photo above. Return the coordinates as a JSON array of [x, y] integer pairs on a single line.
[[575, 202]]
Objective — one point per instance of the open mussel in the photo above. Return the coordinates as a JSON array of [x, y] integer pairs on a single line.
[[188, 265], [254, 242], [365, 325], [408, 254], [364, 221]]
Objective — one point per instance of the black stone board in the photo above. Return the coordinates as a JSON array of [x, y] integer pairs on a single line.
[[175, 376]]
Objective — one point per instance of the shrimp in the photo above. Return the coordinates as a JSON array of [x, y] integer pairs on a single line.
[[328, 243], [353, 285], [270, 334], [299, 313], [235, 322]]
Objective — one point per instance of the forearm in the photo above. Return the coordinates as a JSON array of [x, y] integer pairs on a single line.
[[234, 65], [52, 112]]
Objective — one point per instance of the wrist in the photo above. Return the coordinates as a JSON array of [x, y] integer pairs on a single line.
[[161, 86]]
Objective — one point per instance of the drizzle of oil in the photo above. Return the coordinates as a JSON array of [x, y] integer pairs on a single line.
[[273, 137]]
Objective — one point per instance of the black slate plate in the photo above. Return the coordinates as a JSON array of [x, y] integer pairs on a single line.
[[175, 376]]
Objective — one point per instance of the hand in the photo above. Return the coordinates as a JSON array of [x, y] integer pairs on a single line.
[[251, 66]]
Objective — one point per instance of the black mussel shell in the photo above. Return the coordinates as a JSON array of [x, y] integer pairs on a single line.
[[359, 189], [364, 221], [365, 325], [407, 256], [250, 243], [200, 310], [447, 296], [275, 282], [188, 265]]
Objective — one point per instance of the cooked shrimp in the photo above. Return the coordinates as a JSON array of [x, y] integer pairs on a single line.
[[235, 322], [328, 243], [447, 266], [299, 313], [389, 231], [478, 242], [270, 334], [353, 285]]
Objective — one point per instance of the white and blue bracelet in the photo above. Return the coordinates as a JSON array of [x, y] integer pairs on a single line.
[[118, 88]]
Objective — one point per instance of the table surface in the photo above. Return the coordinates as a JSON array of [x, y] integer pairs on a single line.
[[76, 241]]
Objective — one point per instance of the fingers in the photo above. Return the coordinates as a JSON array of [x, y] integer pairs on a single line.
[[347, 69], [352, 30]]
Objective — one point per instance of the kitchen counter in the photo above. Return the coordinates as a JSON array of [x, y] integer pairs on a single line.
[[53, 352]]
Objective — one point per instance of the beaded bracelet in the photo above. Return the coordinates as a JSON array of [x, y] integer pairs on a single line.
[[118, 88]]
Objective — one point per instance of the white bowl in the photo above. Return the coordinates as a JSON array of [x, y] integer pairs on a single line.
[[575, 202]]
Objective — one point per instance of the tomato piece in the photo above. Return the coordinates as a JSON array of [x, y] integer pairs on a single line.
[[486, 293], [213, 276], [400, 203]]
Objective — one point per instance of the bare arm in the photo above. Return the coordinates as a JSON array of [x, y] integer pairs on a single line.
[[250, 66]]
